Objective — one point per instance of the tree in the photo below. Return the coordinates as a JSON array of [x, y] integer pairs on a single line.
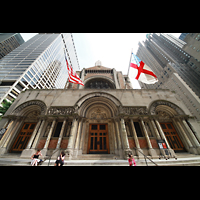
[[6, 104]]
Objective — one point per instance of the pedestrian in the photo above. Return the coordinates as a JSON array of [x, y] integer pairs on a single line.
[[60, 160], [35, 158], [131, 160]]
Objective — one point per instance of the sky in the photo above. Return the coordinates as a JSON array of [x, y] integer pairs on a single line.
[[112, 49]]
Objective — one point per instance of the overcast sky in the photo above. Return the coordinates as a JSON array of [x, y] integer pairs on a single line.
[[112, 49]]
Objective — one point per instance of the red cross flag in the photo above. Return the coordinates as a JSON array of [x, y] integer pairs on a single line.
[[140, 71], [73, 77]]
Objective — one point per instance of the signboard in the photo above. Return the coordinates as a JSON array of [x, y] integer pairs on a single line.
[[2, 131], [162, 145]]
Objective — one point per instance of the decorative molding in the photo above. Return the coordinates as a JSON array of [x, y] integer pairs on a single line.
[[30, 103], [61, 111], [127, 110], [153, 106]]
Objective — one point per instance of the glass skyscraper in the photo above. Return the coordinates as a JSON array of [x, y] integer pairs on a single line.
[[38, 63]]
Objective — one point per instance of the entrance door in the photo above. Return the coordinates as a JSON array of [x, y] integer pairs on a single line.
[[172, 137], [98, 139], [23, 137]]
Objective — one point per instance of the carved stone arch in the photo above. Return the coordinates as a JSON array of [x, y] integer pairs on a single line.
[[30, 106], [165, 108], [98, 94]]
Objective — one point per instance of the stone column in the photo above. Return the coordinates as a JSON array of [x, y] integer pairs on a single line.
[[164, 138], [192, 136], [78, 138], [136, 141], [126, 147], [61, 134], [118, 139], [191, 147], [7, 133], [33, 135], [155, 129], [15, 128], [152, 152], [57, 152], [70, 147], [38, 135], [80, 151], [44, 150]]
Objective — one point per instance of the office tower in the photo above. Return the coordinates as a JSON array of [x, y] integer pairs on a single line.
[[192, 47], [38, 63], [165, 55], [9, 42], [182, 36]]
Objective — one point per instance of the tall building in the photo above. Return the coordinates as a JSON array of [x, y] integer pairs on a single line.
[[182, 36], [192, 47], [38, 63], [105, 118], [9, 42], [165, 55]]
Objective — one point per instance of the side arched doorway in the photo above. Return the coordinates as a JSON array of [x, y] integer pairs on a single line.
[[169, 117], [27, 117]]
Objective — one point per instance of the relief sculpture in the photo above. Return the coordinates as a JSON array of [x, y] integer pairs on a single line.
[[61, 111]]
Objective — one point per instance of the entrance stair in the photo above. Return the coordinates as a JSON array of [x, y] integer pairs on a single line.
[[183, 159]]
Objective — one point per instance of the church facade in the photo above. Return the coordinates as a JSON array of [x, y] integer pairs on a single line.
[[106, 116]]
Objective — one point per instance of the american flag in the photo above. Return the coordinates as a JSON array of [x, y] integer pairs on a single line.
[[73, 77]]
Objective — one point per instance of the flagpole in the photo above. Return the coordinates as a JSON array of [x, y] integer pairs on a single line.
[[130, 62]]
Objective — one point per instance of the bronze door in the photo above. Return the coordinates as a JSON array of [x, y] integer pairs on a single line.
[[172, 137], [23, 137], [98, 139]]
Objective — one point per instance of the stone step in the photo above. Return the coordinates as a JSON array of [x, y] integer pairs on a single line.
[[183, 159]]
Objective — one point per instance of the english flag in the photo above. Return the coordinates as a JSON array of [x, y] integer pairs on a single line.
[[73, 77], [140, 71]]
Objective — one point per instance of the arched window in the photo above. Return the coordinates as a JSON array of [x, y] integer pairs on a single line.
[[99, 83]]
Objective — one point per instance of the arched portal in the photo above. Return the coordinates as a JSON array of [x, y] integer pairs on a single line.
[[98, 111], [27, 114], [165, 112]]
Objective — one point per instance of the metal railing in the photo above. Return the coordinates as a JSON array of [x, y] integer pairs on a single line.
[[145, 157], [49, 157]]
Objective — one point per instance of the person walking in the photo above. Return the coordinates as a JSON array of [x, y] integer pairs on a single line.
[[35, 157], [131, 160], [60, 160]]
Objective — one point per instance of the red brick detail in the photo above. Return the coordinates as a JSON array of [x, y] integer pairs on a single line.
[[143, 143], [64, 144], [131, 143], [154, 143], [41, 144], [53, 143]]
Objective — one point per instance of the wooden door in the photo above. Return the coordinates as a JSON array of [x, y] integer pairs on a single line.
[[23, 137], [98, 139], [172, 137]]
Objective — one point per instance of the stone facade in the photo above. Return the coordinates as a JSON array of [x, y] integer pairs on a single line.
[[132, 119]]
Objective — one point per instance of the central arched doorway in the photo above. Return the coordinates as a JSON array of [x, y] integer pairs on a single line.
[[98, 111], [98, 139]]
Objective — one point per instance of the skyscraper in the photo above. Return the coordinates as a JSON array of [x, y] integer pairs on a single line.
[[9, 42], [165, 55], [38, 63]]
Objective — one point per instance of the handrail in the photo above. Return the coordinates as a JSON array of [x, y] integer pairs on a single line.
[[145, 157], [52, 155], [49, 157]]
